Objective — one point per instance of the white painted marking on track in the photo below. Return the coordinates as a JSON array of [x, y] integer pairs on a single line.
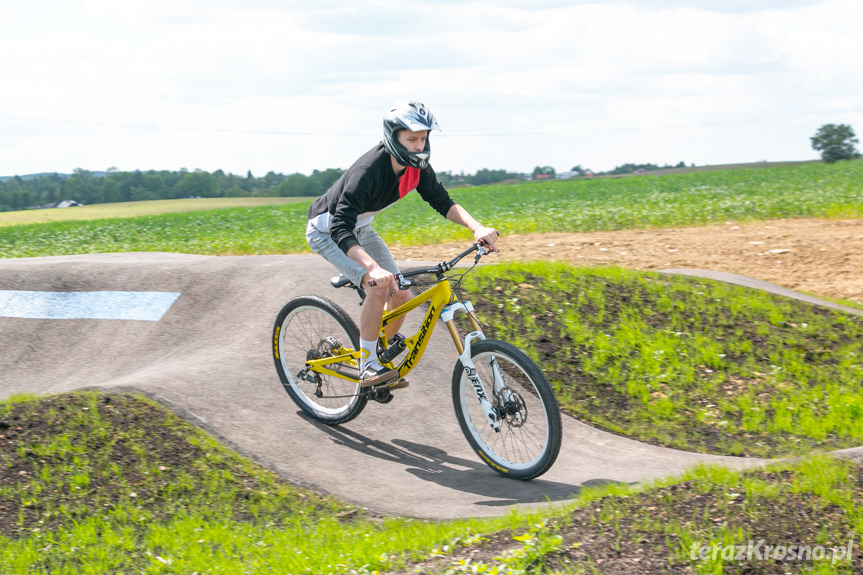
[[125, 305]]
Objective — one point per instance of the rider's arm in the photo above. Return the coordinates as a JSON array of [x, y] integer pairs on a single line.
[[432, 191], [461, 216]]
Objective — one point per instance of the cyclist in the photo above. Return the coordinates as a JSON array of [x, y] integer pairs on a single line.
[[339, 227]]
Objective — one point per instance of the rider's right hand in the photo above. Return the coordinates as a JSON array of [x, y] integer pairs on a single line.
[[379, 278]]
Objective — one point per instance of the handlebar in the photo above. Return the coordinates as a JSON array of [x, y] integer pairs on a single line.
[[446, 266], [439, 269]]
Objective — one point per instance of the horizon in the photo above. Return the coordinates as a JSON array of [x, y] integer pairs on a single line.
[[666, 166]]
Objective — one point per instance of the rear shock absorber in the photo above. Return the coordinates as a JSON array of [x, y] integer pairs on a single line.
[[396, 346]]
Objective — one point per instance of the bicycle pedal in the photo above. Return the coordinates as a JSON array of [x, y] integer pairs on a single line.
[[399, 384], [373, 378]]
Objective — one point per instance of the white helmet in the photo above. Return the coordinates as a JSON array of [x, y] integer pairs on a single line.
[[408, 115]]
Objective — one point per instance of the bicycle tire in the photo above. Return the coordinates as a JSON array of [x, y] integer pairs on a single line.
[[529, 438], [300, 332]]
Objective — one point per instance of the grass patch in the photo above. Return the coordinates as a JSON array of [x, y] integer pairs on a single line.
[[95, 482], [683, 362], [230, 231], [115, 483], [791, 518]]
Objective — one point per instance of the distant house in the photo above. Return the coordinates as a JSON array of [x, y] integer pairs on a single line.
[[568, 175], [63, 204], [68, 204]]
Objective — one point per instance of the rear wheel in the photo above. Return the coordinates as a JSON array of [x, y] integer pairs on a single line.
[[313, 327], [528, 439]]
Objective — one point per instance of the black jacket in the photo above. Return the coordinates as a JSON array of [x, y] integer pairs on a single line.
[[369, 186]]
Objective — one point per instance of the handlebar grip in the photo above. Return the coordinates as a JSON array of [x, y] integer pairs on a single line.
[[485, 243], [373, 283]]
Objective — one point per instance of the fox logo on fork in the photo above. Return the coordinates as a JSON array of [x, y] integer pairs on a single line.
[[477, 385]]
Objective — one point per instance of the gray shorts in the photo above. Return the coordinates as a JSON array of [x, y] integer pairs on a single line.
[[322, 243]]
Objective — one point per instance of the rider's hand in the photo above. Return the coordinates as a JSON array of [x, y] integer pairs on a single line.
[[488, 237], [379, 278]]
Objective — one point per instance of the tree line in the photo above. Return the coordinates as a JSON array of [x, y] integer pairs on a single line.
[[85, 187], [835, 142]]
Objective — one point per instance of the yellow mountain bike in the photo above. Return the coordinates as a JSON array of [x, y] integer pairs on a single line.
[[503, 401]]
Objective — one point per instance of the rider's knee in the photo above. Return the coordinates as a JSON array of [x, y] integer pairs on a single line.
[[400, 297]]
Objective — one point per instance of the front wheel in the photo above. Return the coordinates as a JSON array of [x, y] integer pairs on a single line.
[[312, 327], [528, 438]]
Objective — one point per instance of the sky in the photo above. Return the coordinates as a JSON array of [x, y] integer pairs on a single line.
[[291, 87]]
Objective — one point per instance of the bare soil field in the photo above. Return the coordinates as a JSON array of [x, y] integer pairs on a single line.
[[819, 257]]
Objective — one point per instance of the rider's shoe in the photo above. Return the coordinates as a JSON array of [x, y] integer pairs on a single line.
[[401, 383], [375, 376]]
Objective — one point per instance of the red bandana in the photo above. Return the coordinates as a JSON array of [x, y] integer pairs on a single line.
[[408, 181]]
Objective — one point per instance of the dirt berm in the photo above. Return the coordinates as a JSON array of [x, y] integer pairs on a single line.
[[209, 359]]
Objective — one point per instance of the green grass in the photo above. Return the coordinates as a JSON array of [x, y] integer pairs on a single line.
[[115, 483], [810, 190], [684, 362], [95, 482]]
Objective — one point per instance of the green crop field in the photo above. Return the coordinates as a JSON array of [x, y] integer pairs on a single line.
[[809, 190], [113, 483]]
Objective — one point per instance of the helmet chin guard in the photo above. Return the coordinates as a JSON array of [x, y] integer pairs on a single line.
[[408, 115]]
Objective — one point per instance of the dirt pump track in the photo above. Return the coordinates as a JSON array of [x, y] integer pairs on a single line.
[[209, 359]]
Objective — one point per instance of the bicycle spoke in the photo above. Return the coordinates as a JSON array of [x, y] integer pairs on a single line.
[[527, 440], [310, 328]]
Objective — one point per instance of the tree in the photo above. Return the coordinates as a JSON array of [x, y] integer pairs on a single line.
[[198, 185], [541, 172], [295, 186], [835, 142]]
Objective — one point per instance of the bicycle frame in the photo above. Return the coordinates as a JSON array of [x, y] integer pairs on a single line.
[[442, 304], [502, 401]]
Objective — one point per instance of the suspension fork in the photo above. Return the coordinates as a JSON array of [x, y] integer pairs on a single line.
[[448, 315]]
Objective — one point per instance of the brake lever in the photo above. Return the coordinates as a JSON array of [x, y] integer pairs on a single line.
[[480, 251], [404, 283]]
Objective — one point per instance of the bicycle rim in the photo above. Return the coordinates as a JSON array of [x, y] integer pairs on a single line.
[[308, 328], [528, 440]]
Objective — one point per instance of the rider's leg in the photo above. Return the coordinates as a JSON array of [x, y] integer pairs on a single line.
[[375, 247], [370, 314], [372, 310], [399, 298]]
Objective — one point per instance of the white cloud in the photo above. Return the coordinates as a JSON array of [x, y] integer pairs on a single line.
[[237, 86]]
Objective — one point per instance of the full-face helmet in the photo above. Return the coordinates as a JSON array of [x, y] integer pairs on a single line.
[[408, 115]]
